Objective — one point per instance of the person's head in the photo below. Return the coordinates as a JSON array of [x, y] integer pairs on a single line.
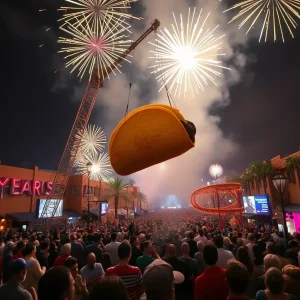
[[147, 248], [274, 281], [109, 288], [57, 283], [91, 260], [242, 255], [113, 236], [185, 249], [226, 242], [271, 261], [271, 248], [210, 255], [106, 261], [66, 249], [258, 255], [44, 247], [171, 250], [293, 246], [29, 250], [17, 269], [159, 279], [201, 233], [72, 264], [191, 235], [19, 247], [134, 241], [73, 236], [250, 237], [237, 277], [218, 241], [124, 251], [97, 238], [200, 246]]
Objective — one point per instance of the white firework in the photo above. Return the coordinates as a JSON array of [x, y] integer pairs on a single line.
[[215, 171], [186, 57], [92, 140], [101, 168]]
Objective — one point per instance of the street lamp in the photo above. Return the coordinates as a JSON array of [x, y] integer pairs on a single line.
[[279, 182], [89, 167]]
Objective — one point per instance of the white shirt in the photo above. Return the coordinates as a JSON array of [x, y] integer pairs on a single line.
[[224, 257], [112, 249], [202, 239], [250, 250]]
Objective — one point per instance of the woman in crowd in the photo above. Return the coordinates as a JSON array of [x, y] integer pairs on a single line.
[[275, 284], [34, 272], [81, 292]]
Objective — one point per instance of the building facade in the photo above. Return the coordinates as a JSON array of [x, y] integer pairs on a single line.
[[20, 190], [291, 195]]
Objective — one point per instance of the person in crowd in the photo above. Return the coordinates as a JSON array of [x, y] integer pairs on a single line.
[[81, 292], [77, 250], [274, 287], [211, 285], [227, 244], [159, 281], [7, 255], [199, 257], [42, 255], [130, 275], [56, 284], [109, 288], [292, 253], [192, 244], [291, 276], [185, 289], [92, 272], [185, 250], [13, 288], [176, 242], [223, 255], [97, 248], [136, 251], [106, 261], [237, 279], [34, 272], [112, 249], [243, 256], [52, 253], [270, 261], [250, 244], [150, 254], [201, 238], [186, 237], [2, 245], [65, 254], [271, 248], [17, 251]]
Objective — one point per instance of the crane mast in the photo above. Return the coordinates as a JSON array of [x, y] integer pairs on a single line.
[[68, 158]]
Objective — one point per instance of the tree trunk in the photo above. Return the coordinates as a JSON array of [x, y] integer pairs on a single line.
[[265, 184], [140, 205], [116, 205], [249, 188]]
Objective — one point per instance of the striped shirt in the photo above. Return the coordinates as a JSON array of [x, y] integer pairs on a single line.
[[131, 277]]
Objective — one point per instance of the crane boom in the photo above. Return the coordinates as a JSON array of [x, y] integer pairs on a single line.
[[68, 158]]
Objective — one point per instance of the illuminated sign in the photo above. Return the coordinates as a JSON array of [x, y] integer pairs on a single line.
[[20, 186]]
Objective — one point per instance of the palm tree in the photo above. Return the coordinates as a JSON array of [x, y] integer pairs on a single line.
[[142, 198], [131, 182], [292, 164], [118, 190], [247, 179]]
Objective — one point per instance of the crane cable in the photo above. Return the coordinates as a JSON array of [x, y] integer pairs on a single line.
[[130, 85]]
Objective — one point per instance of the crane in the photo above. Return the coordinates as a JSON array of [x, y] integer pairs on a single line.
[[68, 158]]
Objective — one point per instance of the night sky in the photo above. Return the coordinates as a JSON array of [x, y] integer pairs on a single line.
[[38, 106]]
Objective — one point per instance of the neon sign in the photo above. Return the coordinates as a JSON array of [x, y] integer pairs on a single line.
[[20, 187]]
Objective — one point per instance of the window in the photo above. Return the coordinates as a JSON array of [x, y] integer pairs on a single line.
[[75, 190]]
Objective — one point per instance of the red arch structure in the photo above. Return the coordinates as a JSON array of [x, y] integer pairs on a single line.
[[223, 200]]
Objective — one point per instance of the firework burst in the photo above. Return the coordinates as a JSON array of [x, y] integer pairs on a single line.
[[99, 48], [92, 139], [215, 171], [275, 16], [101, 168], [94, 12], [186, 57]]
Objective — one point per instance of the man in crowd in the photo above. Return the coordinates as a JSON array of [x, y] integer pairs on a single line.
[[199, 257], [223, 255], [42, 255], [97, 248], [271, 248], [131, 276], [250, 245], [7, 255], [92, 272], [65, 254], [135, 249], [149, 256], [292, 252], [77, 250], [13, 289], [211, 285], [185, 250], [192, 244], [112, 249]]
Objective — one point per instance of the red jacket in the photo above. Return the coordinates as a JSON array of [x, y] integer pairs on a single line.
[[60, 260]]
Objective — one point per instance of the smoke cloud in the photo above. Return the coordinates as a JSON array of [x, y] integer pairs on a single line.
[[182, 175]]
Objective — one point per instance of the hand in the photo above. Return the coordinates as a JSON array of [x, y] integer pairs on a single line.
[[33, 293]]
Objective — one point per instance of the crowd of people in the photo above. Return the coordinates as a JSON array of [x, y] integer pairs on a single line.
[[167, 255]]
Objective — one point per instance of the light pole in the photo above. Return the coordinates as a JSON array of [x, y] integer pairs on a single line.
[[279, 182], [89, 167]]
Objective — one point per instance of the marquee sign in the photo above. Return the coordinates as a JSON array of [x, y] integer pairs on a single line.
[[21, 186]]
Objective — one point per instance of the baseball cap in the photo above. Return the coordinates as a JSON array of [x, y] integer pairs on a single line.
[[18, 265], [159, 276]]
